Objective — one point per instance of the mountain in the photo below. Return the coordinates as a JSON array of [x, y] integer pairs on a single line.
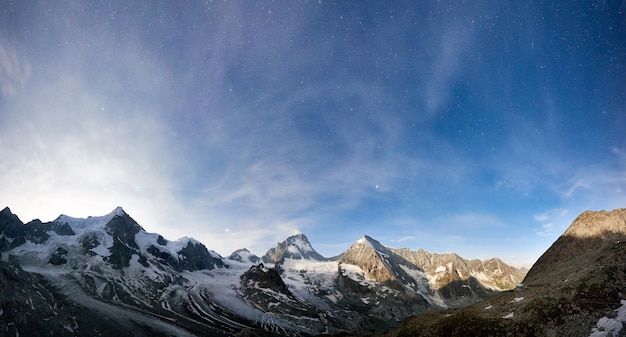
[[244, 255], [107, 275], [295, 247], [576, 288]]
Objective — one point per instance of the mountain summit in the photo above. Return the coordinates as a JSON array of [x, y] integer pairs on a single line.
[[294, 247]]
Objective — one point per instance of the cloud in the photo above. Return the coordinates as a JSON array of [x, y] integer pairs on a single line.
[[81, 145], [404, 238], [455, 43], [600, 185], [546, 229], [548, 219], [14, 71]]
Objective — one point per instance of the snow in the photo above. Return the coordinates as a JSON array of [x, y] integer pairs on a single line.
[[353, 272], [92, 222], [299, 243], [440, 269], [421, 284], [508, 316], [319, 276], [611, 326], [144, 240], [489, 307], [222, 285], [517, 299]]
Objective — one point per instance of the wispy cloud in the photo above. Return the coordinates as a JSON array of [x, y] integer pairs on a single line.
[[14, 71], [548, 218], [404, 238], [454, 44]]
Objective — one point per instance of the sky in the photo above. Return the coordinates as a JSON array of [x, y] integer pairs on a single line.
[[477, 127]]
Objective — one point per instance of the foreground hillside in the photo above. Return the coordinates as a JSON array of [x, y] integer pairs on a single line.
[[107, 276], [576, 288]]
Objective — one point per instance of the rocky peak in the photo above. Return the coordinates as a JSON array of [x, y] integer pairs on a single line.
[[590, 233], [602, 224], [294, 247], [195, 256], [371, 256]]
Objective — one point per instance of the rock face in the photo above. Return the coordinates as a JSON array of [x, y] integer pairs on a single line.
[[578, 280], [375, 259]]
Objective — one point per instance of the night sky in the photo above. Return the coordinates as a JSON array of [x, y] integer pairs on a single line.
[[477, 127]]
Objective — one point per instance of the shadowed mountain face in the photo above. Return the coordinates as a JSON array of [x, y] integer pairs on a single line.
[[107, 276], [578, 280]]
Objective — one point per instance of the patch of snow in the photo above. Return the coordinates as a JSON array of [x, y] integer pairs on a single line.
[[517, 299], [440, 269], [365, 300], [421, 283], [215, 255], [611, 326], [292, 250], [488, 307], [508, 316]]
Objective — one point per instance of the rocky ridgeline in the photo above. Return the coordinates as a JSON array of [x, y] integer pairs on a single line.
[[589, 233]]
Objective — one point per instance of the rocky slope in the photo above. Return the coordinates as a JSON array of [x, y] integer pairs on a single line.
[[580, 279], [107, 276]]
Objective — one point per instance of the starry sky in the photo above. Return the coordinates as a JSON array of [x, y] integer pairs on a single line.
[[477, 127]]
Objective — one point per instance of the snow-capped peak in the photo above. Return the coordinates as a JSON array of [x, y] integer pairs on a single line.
[[91, 222], [295, 247], [372, 243], [299, 242]]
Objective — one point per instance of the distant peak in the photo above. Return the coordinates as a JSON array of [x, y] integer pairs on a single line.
[[296, 246], [298, 236], [368, 239]]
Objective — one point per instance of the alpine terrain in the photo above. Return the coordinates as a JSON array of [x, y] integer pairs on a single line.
[[107, 276], [576, 288]]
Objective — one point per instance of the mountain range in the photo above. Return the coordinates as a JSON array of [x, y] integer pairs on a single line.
[[106, 275]]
